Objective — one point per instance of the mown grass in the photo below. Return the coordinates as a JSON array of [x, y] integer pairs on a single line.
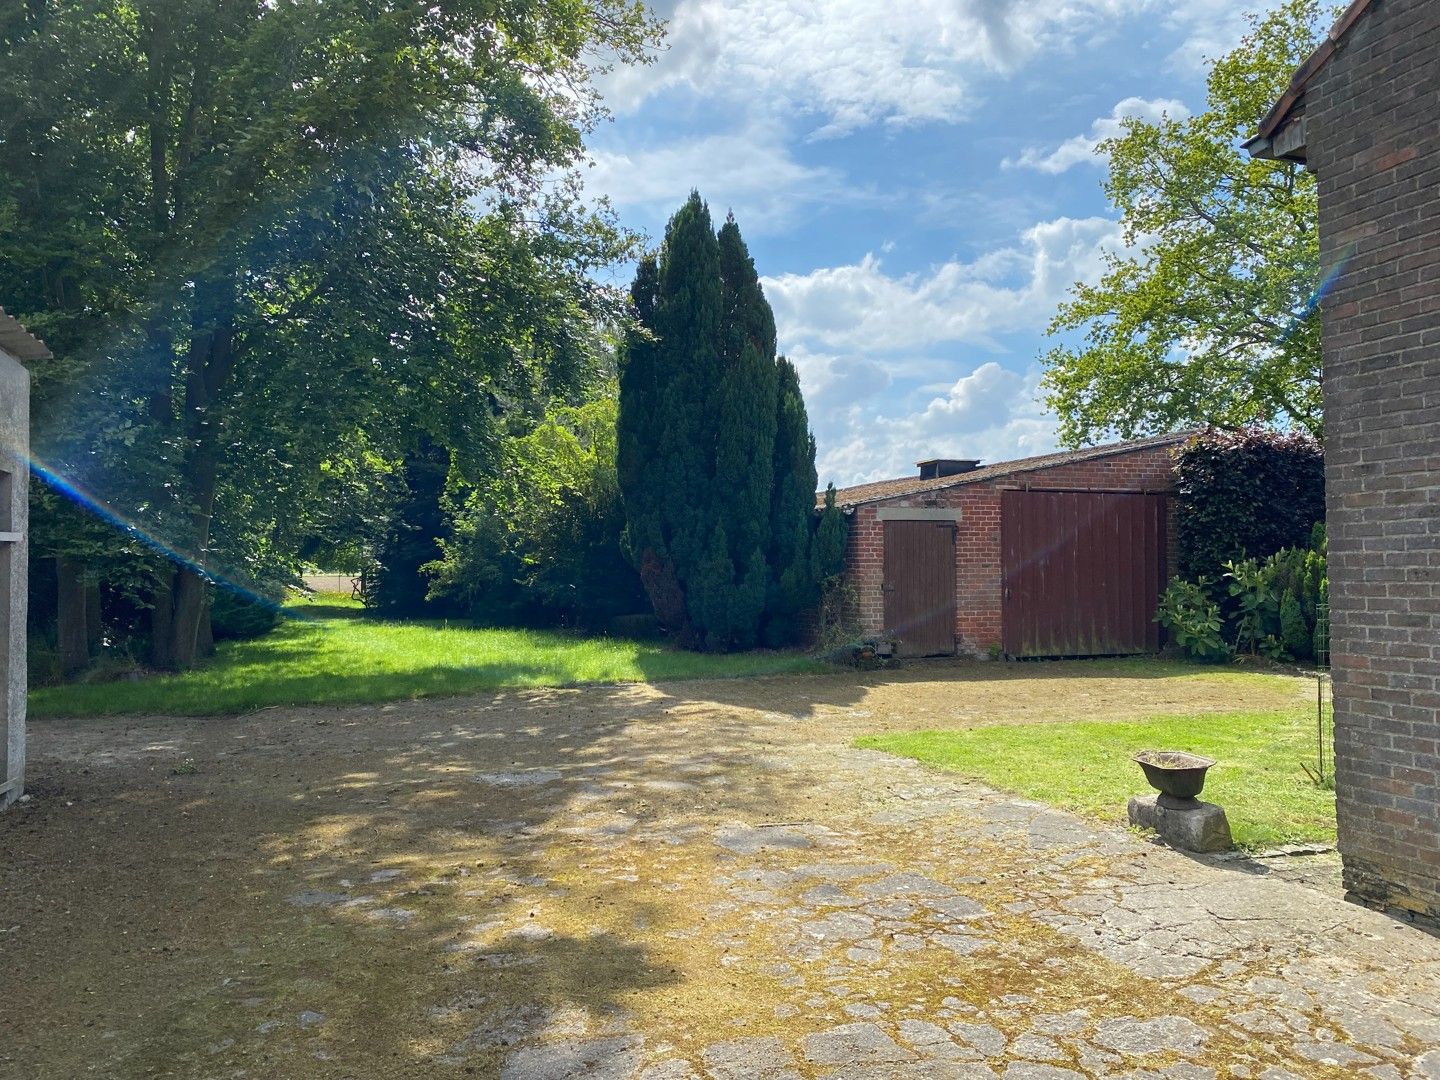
[[1085, 766], [327, 653]]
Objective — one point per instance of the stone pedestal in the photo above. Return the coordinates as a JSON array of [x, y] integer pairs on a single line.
[[1187, 824]]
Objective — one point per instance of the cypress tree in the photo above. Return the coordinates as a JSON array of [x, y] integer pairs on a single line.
[[745, 439], [716, 461], [793, 586]]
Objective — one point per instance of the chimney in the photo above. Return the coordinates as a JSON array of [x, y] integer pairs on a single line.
[[935, 468]]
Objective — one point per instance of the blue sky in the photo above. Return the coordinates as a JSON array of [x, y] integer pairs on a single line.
[[916, 182]]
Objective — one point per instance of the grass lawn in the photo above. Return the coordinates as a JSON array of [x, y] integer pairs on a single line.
[[1085, 766], [329, 654]]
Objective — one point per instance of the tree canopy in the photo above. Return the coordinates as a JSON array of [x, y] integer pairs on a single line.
[[276, 245], [1208, 316]]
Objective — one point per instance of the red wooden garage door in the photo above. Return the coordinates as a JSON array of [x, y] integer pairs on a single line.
[[1083, 572], [920, 586]]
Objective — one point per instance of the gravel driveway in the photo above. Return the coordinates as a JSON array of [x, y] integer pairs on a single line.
[[685, 880]]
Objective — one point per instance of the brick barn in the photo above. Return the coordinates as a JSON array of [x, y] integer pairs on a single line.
[[1363, 114], [1060, 555]]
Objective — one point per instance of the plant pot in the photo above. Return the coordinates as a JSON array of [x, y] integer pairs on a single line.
[[1174, 772]]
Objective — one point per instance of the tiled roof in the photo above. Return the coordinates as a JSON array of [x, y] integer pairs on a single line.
[[913, 485], [1282, 109], [19, 342]]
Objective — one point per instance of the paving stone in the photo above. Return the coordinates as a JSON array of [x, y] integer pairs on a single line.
[[760, 1058], [915, 1070], [990, 1041], [1333, 1053], [854, 1044], [1427, 1066], [521, 779], [959, 908], [744, 840], [1029, 1070], [828, 895], [1136, 1038], [583, 1059], [1037, 1048], [840, 926], [674, 1069], [907, 883], [310, 1018]]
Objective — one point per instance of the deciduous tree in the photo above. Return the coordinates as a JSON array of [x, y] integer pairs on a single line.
[[1208, 316]]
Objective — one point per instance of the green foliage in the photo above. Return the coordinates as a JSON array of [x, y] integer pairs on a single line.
[[263, 238], [716, 463], [236, 617], [539, 542], [1245, 494], [1295, 636], [1193, 620], [1208, 315], [400, 584], [1280, 603]]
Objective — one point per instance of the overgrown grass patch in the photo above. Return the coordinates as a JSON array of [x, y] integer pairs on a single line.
[[327, 653], [1085, 766]]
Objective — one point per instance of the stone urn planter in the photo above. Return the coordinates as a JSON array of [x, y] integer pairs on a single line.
[[1182, 820], [1178, 776]]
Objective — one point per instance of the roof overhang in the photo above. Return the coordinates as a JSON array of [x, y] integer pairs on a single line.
[[19, 342], [1281, 135]]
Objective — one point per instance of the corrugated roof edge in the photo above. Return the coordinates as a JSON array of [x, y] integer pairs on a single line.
[[19, 342], [880, 490]]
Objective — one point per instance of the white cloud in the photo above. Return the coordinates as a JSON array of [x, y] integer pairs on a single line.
[[854, 62], [991, 413], [1080, 149], [750, 171], [860, 308]]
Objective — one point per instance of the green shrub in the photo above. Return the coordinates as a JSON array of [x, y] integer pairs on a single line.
[[236, 616], [1193, 620]]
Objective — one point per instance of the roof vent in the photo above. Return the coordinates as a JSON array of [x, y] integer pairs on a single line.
[[935, 468]]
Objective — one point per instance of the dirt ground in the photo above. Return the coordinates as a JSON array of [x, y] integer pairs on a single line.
[[662, 881]]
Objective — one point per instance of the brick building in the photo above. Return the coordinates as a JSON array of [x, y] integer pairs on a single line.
[[1363, 114], [1063, 554], [16, 348]]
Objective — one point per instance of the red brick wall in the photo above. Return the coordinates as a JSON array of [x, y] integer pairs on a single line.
[[978, 598]]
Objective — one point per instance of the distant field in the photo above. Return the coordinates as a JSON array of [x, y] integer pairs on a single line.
[[327, 652]]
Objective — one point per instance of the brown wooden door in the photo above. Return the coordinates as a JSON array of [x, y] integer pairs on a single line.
[[920, 586], [1083, 572]]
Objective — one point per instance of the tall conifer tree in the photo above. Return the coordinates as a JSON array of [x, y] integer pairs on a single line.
[[716, 460], [793, 587]]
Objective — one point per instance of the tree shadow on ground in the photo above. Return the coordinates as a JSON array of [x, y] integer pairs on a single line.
[[376, 891]]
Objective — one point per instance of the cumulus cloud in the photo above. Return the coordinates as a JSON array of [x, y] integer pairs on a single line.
[[859, 307], [990, 412], [854, 62], [751, 171], [1080, 149]]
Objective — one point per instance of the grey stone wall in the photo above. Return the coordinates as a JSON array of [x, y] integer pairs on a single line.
[[1373, 134], [14, 513]]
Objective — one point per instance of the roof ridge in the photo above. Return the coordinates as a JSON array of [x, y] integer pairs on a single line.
[[879, 490]]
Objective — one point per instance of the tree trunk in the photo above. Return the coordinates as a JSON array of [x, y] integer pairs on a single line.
[[94, 616], [211, 357], [70, 618], [162, 623], [205, 638]]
